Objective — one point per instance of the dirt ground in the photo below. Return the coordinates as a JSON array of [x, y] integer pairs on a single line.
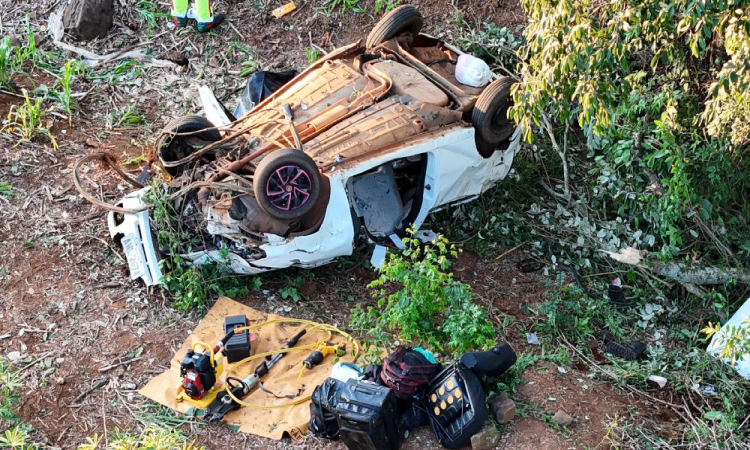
[[67, 303]]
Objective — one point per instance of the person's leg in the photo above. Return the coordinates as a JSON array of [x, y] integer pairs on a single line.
[[179, 12], [206, 18]]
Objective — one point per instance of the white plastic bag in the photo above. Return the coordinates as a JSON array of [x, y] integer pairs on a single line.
[[472, 71]]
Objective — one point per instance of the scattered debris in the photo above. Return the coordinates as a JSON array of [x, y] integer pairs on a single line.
[[631, 351], [14, 356], [562, 418], [598, 357], [283, 10], [656, 380], [84, 394], [503, 408], [178, 58], [529, 265], [616, 295], [533, 339], [487, 438], [88, 19]]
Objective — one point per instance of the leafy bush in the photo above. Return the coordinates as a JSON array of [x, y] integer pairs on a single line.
[[429, 306]]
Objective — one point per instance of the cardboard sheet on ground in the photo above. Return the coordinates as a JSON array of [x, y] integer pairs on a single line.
[[282, 378]]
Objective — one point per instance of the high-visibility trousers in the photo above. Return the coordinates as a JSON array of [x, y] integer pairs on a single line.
[[203, 11]]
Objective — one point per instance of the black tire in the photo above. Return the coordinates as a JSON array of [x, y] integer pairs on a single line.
[[172, 148], [401, 20], [293, 197], [490, 115]]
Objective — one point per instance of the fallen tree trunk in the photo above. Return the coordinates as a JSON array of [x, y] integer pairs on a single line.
[[680, 272]]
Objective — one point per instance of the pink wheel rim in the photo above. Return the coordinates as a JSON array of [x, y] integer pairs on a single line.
[[289, 188]]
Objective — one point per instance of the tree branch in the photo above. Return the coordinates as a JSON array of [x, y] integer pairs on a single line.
[[683, 273]]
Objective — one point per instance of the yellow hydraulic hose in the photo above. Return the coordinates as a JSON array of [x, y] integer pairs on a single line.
[[330, 329]]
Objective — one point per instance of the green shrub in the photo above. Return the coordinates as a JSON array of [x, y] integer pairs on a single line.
[[429, 307]]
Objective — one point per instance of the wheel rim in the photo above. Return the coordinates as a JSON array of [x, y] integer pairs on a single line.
[[289, 188]]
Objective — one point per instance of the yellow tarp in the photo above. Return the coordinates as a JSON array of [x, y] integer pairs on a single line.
[[281, 379]]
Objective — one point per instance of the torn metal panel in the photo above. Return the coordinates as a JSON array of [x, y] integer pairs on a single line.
[[376, 199]]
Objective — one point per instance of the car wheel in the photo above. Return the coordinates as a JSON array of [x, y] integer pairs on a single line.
[[287, 184], [490, 115], [171, 147], [401, 20]]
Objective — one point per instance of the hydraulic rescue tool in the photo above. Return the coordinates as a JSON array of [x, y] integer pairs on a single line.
[[200, 370], [225, 403], [319, 354]]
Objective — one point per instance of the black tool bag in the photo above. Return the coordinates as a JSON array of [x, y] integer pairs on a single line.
[[369, 418], [323, 419], [493, 362], [456, 405]]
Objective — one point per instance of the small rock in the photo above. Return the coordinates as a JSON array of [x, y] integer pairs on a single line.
[[59, 360], [14, 356], [562, 418], [60, 380], [503, 408], [488, 438], [128, 386]]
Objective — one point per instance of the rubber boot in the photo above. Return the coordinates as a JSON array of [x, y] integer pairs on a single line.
[[204, 27], [180, 12]]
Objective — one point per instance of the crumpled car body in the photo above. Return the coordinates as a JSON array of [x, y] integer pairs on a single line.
[[387, 128]]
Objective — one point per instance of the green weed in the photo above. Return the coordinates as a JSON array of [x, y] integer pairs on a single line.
[[152, 438], [312, 54], [290, 292], [150, 12], [7, 63], [125, 73], [249, 67], [17, 436], [385, 6], [126, 117], [6, 188], [135, 160], [26, 121], [63, 96], [343, 5], [429, 308]]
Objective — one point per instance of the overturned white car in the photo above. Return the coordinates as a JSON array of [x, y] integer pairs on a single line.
[[369, 139]]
